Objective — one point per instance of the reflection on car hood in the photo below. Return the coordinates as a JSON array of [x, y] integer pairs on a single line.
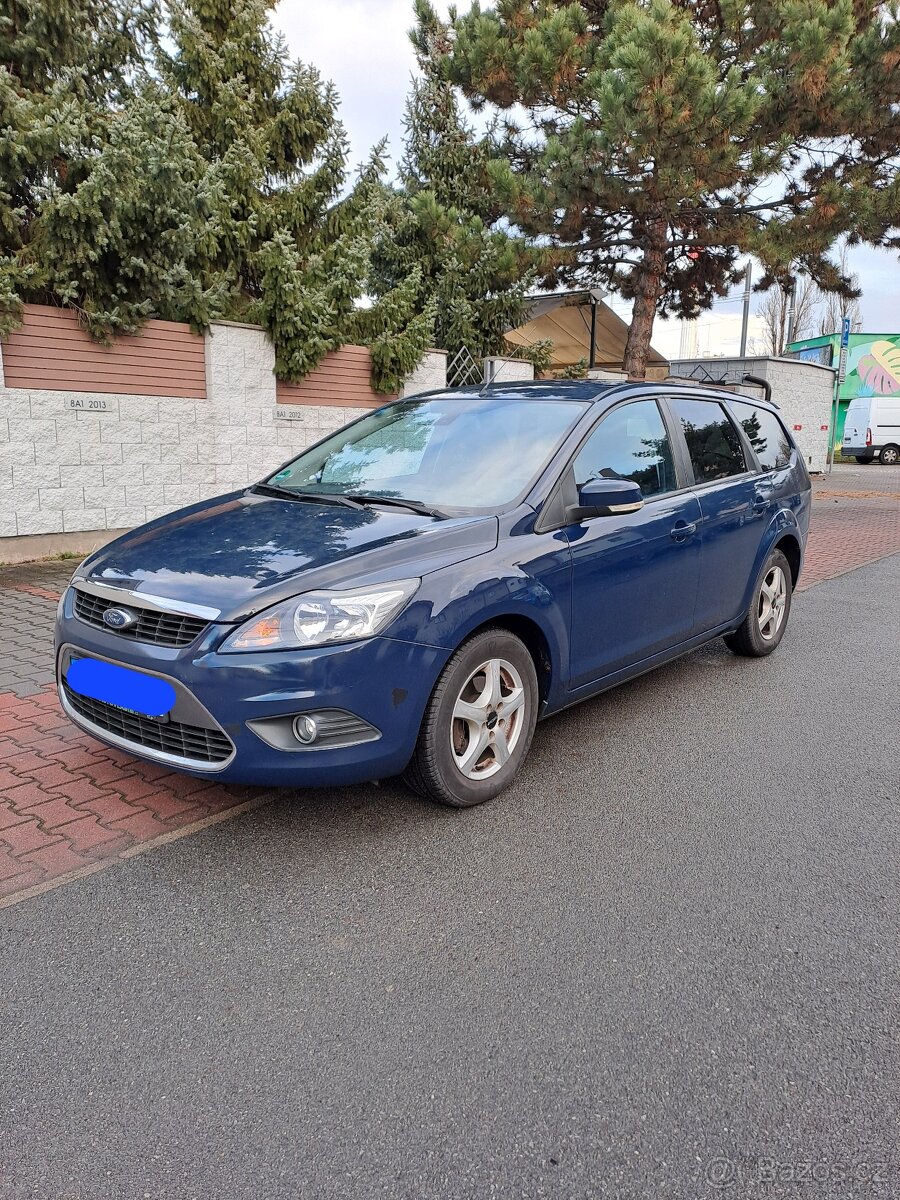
[[242, 552]]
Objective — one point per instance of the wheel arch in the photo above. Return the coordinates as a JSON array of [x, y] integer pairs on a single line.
[[784, 535], [789, 545], [535, 640]]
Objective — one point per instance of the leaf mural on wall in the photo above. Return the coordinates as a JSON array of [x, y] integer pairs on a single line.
[[880, 368]]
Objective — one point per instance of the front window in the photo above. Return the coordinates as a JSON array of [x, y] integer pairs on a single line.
[[452, 452], [630, 443]]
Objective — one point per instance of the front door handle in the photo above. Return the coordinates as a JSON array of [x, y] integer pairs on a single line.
[[682, 530]]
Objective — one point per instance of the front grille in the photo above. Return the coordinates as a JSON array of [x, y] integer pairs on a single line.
[[170, 737], [161, 628]]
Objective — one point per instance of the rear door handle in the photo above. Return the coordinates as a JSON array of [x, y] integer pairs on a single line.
[[761, 503], [682, 530]]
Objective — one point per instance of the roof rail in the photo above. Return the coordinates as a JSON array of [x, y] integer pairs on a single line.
[[758, 381], [726, 379]]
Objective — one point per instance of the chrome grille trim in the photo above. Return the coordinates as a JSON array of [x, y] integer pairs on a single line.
[[130, 597]]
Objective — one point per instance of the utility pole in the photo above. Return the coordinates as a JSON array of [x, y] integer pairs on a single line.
[[839, 379], [745, 319], [792, 295]]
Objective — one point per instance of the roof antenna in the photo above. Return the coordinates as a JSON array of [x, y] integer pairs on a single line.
[[490, 374], [493, 365]]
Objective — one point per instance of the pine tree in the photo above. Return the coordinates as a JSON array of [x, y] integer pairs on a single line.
[[292, 245], [442, 224], [669, 137]]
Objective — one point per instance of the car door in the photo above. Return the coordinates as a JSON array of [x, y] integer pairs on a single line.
[[734, 506], [634, 575]]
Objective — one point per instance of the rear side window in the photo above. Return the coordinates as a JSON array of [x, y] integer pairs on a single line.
[[630, 443], [712, 440], [765, 434]]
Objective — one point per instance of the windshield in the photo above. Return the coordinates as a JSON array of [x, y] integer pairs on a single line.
[[451, 452]]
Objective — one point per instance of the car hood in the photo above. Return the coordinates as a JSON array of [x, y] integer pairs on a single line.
[[242, 552]]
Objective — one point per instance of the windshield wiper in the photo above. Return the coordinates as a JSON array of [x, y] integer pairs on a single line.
[[272, 489], [416, 506]]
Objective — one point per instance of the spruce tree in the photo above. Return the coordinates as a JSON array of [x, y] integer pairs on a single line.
[[104, 202], [126, 237], [292, 242], [665, 138], [442, 224], [62, 62]]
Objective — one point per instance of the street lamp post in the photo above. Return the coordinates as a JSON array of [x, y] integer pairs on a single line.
[[745, 317], [839, 379]]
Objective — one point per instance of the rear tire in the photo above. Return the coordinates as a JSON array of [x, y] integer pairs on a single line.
[[863, 462], [763, 627], [479, 722], [889, 456]]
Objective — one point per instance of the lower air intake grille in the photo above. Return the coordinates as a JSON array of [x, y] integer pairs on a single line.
[[182, 741]]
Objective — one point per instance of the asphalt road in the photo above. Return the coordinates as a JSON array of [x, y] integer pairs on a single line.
[[666, 961]]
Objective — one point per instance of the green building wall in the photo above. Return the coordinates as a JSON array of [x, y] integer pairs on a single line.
[[873, 366]]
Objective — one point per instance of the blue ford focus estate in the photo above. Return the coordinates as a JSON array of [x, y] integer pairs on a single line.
[[412, 593]]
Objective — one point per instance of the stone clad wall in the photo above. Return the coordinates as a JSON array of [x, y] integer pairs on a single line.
[[805, 394], [94, 462], [499, 369]]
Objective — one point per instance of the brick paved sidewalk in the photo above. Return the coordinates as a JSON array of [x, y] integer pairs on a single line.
[[855, 520], [69, 804]]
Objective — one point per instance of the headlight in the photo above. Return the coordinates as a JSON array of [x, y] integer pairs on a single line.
[[321, 617]]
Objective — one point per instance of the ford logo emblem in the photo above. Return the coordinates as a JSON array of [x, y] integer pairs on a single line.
[[119, 618]]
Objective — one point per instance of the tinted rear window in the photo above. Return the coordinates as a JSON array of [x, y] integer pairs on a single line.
[[766, 435], [712, 440]]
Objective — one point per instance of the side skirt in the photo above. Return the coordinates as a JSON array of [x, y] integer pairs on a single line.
[[626, 674]]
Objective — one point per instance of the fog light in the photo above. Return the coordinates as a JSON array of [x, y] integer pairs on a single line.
[[306, 729]]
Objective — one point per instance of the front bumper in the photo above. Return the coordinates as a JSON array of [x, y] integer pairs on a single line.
[[384, 682]]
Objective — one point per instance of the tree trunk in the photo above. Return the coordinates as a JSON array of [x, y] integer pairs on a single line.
[[650, 275]]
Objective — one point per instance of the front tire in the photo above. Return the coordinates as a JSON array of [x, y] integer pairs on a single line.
[[479, 722], [763, 627]]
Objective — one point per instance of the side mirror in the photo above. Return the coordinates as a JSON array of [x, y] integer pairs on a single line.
[[608, 497]]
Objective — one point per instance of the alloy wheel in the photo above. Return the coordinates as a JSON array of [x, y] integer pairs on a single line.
[[488, 719], [772, 601]]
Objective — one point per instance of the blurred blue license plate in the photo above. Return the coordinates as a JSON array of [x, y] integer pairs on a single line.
[[132, 691]]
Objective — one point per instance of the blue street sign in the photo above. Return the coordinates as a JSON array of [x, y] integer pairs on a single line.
[[845, 332]]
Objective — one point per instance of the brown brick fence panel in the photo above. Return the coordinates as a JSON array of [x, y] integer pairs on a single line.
[[342, 379], [51, 351]]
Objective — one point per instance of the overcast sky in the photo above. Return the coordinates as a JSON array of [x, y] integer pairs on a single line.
[[362, 45]]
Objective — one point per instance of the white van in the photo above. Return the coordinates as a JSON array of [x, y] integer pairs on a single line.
[[872, 429]]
